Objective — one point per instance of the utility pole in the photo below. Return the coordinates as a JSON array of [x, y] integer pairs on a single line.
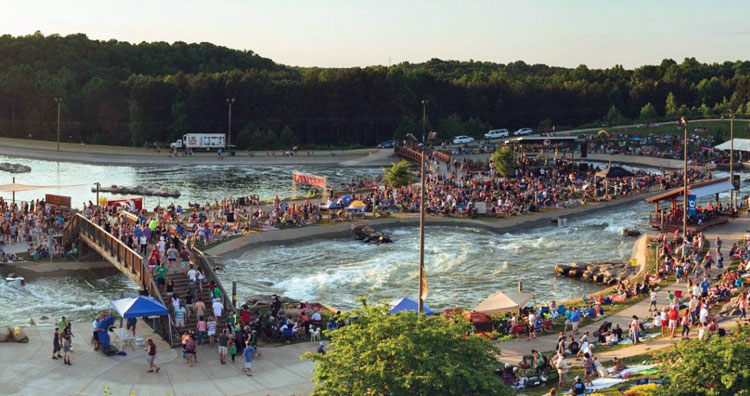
[[420, 301], [229, 133], [424, 117], [59, 101], [684, 180], [731, 157]]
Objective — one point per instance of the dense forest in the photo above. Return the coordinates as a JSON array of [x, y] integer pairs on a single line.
[[114, 92]]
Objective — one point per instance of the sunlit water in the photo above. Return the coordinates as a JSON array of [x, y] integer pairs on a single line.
[[196, 183], [463, 265]]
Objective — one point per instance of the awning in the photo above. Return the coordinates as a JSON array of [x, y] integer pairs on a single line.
[[711, 189], [139, 307], [15, 187], [700, 189], [739, 145], [407, 304], [504, 301]]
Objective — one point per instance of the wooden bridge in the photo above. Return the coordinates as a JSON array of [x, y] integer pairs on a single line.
[[415, 155], [135, 267]]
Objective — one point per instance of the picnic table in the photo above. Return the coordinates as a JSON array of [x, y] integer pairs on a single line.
[[123, 338]]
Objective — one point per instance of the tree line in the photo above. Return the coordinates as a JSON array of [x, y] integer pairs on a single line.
[[115, 92]]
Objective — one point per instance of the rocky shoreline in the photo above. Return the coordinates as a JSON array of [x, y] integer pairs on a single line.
[[14, 168], [139, 190], [602, 273]]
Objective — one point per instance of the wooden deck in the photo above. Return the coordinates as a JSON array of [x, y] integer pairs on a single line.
[[672, 226]]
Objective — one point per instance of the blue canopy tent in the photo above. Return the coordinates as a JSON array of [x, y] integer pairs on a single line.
[[334, 205], [140, 307], [407, 304], [345, 200]]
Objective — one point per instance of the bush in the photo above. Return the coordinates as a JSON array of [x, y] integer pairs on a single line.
[[643, 390]]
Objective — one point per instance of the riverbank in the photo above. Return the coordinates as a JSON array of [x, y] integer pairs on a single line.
[[234, 247], [44, 269], [133, 156]]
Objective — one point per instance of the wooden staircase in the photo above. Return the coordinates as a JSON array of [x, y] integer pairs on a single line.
[[135, 267]]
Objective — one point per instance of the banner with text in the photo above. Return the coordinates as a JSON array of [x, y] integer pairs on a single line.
[[309, 180], [692, 205]]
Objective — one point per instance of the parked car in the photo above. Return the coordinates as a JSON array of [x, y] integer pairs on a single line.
[[523, 131], [496, 134], [387, 144], [463, 139]]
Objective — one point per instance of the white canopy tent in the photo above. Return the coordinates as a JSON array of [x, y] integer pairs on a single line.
[[504, 301], [739, 145]]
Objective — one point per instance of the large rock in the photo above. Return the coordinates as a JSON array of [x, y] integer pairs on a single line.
[[5, 334], [18, 335]]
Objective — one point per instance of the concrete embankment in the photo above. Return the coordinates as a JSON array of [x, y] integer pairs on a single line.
[[234, 247], [34, 269]]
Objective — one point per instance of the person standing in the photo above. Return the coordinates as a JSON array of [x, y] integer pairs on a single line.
[[634, 329], [248, 355], [223, 344], [66, 351], [56, 344], [151, 357]]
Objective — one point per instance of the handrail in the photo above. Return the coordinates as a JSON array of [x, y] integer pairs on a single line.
[[416, 156], [130, 259], [210, 272]]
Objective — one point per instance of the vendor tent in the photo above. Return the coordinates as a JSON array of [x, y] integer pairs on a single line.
[[504, 301], [407, 304], [345, 200], [614, 171], [357, 206], [139, 307], [739, 145]]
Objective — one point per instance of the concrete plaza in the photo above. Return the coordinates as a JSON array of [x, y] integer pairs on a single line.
[[28, 369]]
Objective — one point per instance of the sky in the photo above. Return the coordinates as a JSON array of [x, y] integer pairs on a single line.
[[344, 33]]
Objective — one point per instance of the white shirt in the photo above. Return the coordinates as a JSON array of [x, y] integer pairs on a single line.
[[218, 307], [316, 316], [192, 275], [144, 240], [703, 315]]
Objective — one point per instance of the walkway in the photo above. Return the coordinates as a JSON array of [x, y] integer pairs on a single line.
[[512, 352], [27, 369]]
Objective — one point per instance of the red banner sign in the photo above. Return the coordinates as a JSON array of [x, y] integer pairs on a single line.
[[309, 180], [57, 200]]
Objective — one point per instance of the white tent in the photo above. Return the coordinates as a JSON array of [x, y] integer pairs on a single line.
[[504, 301], [739, 145]]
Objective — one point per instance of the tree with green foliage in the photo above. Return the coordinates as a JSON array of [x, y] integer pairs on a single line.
[[671, 108], [406, 354], [450, 126], [714, 367], [648, 112], [244, 139], [398, 175], [503, 161], [287, 139], [614, 117]]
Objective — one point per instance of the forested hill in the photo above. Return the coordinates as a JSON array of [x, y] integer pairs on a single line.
[[120, 93]]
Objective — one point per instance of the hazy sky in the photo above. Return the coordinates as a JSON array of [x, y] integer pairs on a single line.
[[599, 33]]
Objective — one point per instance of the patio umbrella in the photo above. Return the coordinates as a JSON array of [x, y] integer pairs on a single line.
[[614, 171], [504, 301]]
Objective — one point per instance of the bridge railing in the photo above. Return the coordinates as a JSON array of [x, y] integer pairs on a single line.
[[415, 155], [127, 260]]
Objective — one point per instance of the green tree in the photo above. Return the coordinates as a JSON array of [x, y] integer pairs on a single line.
[[715, 367], [406, 354], [244, 139], [450, 126], [398, 175], [614, 117], [648, 112], [287, 139], [503, 161], [671, 109]]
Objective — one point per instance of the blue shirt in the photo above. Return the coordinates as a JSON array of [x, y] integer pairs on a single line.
[[248, 354], [575, 316], [704, 286]]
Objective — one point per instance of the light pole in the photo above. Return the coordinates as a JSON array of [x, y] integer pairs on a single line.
[[684, 181], [424, 117], [229, 133], [59, 101], [422, 278], [731, 157]]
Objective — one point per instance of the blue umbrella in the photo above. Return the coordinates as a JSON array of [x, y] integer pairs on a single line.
[[345, 200]]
